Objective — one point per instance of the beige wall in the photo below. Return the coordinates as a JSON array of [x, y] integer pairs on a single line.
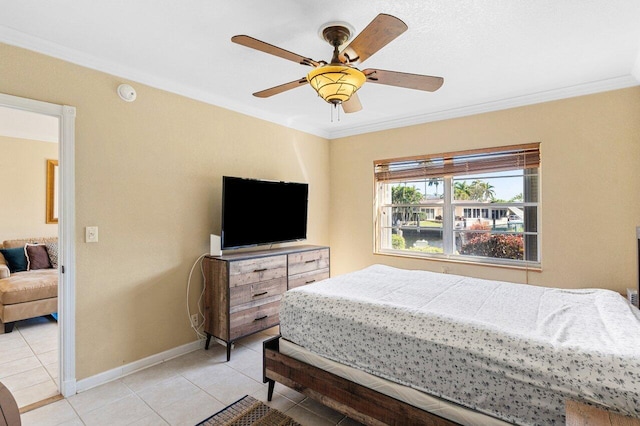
[[149, 175], [23, 174], [590, 198]]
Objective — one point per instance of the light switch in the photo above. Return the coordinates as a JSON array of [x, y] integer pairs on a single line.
[[91, 234]]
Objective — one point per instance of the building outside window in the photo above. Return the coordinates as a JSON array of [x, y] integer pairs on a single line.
[[479, 206]]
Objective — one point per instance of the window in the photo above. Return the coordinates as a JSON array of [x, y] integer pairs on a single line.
[[480, 206]]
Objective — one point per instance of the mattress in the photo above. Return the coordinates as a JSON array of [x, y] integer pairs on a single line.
[[512, 351]]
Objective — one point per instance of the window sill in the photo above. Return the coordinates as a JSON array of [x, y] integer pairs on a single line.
[[533, 266]]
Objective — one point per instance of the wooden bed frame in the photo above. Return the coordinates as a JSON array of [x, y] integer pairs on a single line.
[[351, 399], [374, 408]]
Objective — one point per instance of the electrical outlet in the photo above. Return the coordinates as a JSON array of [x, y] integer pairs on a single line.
[[194, 320]]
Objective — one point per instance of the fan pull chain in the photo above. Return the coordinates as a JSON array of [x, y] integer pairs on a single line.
[[335, 107]]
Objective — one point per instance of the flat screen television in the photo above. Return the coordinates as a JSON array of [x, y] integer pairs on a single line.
[[257, 212]]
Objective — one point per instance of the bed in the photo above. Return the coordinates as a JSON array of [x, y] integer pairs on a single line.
[[467, 350]]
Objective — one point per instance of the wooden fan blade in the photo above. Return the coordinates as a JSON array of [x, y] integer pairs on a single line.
[[272, 50], [352, 105], [401, 79], [282, 88], [380, 32]]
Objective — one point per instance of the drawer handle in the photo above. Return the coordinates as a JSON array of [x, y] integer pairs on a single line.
[[309, 282], [260, 294], [310, 261], [260, 270], [261, 318]]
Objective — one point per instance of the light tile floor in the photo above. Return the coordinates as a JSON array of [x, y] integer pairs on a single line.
[[184, 391], [29, 360]]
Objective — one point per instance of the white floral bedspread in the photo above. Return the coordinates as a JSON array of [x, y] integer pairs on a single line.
[[513, 351]]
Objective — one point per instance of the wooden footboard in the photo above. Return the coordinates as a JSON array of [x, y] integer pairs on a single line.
[[356, 401]]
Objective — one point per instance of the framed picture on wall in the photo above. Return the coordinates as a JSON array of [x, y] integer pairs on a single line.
[[52, 191]]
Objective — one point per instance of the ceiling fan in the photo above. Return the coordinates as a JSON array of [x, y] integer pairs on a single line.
[[337, 82]]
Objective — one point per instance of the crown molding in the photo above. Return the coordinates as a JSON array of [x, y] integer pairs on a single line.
[[496, 105], [635, 71], [36, 44], [19, 39]]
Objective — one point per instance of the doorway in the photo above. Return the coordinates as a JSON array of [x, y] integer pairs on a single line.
[[64, 187]]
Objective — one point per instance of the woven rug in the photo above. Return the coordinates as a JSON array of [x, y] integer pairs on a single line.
[[249, 411]]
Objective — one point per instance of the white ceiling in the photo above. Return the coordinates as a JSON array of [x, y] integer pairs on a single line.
[[16, 123], [493, 54]]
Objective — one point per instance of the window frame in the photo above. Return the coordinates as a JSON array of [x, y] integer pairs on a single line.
[[449, 205]]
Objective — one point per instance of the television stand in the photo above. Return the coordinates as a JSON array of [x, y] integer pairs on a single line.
[[243, 290]]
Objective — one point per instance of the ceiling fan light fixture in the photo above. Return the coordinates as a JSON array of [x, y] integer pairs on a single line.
[[336, 83]]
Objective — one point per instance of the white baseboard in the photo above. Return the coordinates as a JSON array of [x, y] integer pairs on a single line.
[[116, 373]]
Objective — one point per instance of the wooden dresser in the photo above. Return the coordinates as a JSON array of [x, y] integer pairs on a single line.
[[243, 290]]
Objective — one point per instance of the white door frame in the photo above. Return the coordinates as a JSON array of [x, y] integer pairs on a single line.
[[66, 232]]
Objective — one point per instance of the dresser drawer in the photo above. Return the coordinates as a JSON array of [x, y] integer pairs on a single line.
[[256, 293], [307, 261], [254, 319], [249, 271], [308, 278]]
